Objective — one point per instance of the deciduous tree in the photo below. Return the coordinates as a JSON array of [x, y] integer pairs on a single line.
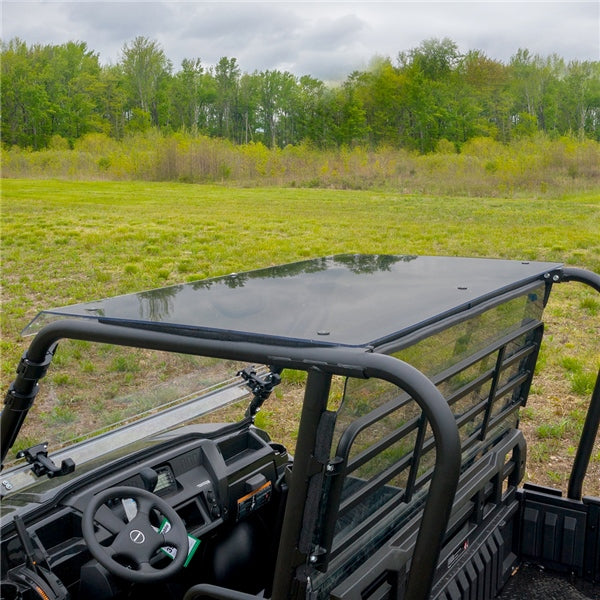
[[145, 67]]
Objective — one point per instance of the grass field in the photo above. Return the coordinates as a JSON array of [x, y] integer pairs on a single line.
[[65, 242]]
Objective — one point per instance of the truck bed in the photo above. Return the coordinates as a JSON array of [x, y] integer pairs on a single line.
[[531, 582]]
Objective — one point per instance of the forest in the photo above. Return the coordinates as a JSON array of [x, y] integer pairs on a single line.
[[427, 98]]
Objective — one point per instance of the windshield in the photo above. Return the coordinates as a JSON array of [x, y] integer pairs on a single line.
[[91, 390]]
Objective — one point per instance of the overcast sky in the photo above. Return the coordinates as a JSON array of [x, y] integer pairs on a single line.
[[327, 40]]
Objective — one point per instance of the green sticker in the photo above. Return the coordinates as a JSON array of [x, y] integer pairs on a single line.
[[193, 546], [171, 552]]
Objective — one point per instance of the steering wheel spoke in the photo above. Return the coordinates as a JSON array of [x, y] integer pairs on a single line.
[[145, 505], [171, 539], [136, 541], [145, 567], [108, 520]]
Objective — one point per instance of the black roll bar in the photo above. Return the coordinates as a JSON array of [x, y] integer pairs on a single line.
[[592, 419], [582, 276], [586, 445]]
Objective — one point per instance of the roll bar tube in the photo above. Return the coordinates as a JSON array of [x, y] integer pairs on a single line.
[[20, 397], [335, 360], [592, 420], [586, 445], [582, 276]]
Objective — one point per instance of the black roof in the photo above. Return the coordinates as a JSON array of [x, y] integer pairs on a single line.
[[350, 300]]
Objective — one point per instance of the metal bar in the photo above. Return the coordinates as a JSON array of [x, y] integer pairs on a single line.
[[214, 592], [470, 387], [361, 423], [492, 394], [417, 454], [586, 444], [20, 397], [582, 276], [506, 412], [524, 352], [382, 444], [375, 483], [289, 557], [592, 420]]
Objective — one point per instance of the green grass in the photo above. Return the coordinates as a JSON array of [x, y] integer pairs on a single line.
[[66, 242], [582, 383], [591, 305], [552, 430]]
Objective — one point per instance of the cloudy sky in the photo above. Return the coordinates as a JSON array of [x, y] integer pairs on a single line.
[[327, 40]]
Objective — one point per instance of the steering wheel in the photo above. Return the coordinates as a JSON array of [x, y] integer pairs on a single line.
[[136, 542]]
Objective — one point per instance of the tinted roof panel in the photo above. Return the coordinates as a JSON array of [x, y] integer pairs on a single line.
[[346, 299]]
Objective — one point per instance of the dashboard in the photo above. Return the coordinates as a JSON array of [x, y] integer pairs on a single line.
[[226, 489]]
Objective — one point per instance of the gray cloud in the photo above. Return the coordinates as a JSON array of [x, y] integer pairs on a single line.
[[327, 40]]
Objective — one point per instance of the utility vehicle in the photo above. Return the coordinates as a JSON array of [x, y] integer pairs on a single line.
[[406, 479]]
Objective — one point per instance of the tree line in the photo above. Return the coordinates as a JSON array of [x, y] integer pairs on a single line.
[[428, 96]]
